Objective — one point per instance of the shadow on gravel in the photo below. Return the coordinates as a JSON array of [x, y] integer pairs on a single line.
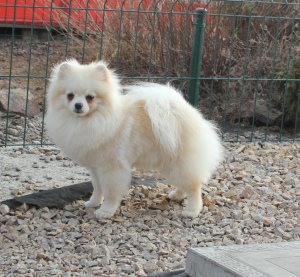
[[53, 198], [60, 197], [178, 273]]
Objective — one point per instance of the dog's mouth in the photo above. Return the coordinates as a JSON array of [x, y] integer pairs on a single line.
[[79, 112]]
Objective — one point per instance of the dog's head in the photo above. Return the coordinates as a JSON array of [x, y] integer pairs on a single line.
[[82, 89]]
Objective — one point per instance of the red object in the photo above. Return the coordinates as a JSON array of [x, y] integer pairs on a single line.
[[79, 16], [21, 11]]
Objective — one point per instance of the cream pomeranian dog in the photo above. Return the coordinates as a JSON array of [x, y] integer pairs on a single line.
[[150, 127]]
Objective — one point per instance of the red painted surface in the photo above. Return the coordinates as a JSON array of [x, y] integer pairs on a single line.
[[21, 11]]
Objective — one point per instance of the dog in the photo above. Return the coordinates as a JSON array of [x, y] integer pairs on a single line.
[[107, 131]]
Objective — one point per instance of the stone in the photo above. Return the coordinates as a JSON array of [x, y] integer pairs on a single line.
[[237, 214], [272, 209], [4, 209], [247, 192], [73, 240], [177, 225], [150, 267], [17, 102], [59, 157], [35, 165], [240, 149], [268, 221], [257, 178], [139, 271], [48, 160], [263, 114], [43, 256], [257, 218], [105, 261], [287, 196], [13, 132], [160, 186], [73, 222]]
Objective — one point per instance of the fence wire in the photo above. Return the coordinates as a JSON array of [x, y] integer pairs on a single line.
[[250, 68]]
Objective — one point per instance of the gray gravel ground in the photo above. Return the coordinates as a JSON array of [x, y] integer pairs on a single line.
[[253, 198]]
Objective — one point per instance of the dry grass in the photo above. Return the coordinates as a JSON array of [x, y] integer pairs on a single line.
[[133, 44], [145, 44]]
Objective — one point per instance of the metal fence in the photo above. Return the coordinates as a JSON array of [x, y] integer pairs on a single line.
[[237, 61]]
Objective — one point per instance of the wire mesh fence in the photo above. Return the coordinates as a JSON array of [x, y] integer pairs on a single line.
[[250, 68]]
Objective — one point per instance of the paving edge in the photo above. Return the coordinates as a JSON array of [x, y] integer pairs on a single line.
[[216, 261]]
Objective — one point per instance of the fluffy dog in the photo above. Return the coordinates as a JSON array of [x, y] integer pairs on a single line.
[[150, 127]]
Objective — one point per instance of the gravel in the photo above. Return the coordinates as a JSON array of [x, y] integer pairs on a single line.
[[252, 198]]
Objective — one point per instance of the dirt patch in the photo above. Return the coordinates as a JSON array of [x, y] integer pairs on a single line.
[[238, 69]]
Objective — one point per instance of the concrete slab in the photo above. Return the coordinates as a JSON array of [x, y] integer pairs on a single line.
[[258, 260]]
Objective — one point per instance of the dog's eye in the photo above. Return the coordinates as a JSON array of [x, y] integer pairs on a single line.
[[70, 96], [89, 98]]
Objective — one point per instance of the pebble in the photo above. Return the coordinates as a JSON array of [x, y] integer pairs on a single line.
[[247, 192], [139, 271], [13, 132], [150, 267], [257, 218], [43, 256], [287, 196], [271, 209], [237, 214], [253, 197], [4, 209], [105, 261], [59, 157], [177, 225], [47, 160]]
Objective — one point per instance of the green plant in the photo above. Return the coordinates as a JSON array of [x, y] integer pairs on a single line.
[[291, 89]]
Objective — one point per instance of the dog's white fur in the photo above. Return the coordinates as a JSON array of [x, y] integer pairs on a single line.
[[150, 127]]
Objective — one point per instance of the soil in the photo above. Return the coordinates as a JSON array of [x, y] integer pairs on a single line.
[[29, 61]]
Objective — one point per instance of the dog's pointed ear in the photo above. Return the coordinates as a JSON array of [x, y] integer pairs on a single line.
[[64, 69], [102, 72]]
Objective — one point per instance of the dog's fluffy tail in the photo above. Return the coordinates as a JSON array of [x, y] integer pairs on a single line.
[[166, 109]]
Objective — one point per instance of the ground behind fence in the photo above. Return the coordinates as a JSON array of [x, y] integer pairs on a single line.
[[250, 68]]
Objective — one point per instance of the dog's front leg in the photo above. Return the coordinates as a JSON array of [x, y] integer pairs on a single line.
[[97, 196], [115, 180]]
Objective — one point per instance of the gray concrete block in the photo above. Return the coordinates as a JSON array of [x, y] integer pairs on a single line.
[[257, 260]]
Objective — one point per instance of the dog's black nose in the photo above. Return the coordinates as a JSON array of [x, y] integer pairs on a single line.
[[78, 106]]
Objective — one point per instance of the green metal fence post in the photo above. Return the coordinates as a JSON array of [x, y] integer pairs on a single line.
[[196, 58]]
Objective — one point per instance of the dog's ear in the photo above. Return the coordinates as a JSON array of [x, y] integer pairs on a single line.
[[64, 69], [102, 72]]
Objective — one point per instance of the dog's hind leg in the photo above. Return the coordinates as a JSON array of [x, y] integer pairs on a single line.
[[194, 201], [189, 187], [177, 195], [97, 196]]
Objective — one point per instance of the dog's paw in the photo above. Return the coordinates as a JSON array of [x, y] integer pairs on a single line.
[[176, 195], [190, 213], [102, 214], [91, 204]]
